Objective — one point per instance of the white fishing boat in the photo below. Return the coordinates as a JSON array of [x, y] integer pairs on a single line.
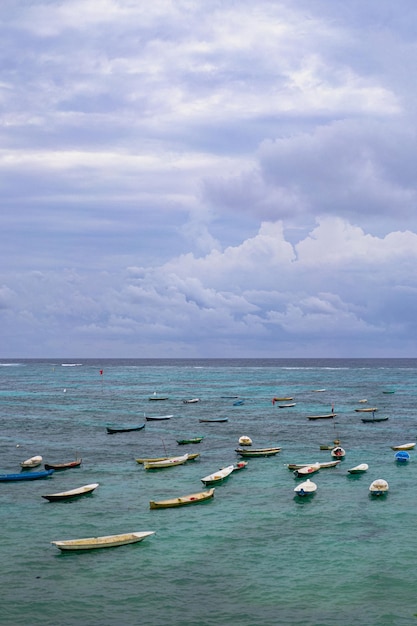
[[307, 469], [404, 446], [244, 440], [72, 493], [338, 452], [34, 461], [169, 462], [296, 466], [379, 487], [359, 469], [107, 541], [306, 488], [218, 476]]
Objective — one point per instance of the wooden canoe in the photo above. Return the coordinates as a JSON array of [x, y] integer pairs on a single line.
[[192, 498], [326, 416], [288, 399], [108, 541], [296, 466], [25, 476], [72, 493], [215, 419], [286, 406], [156, 397], [113, 430], [63, 466], [34, 461], [192, 401], [219, 476], [191, 457], [306, 470], [367, 410], [169, 462], [404, 446], [155, 418], [258, 451], [182, 442], [369, 420]]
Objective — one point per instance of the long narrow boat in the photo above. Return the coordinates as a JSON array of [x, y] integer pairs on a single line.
[[374, 419], [169, 462], [192, 401], [326, 416], [112, 430], [63, 466], [155, 418], [287, 399], [191, 457], [219, 476], [156, 397], [359, 469], [183, 442], [258, 451], [215, 419], [404, 446], [34, 461], [367, 410], [287, 405], [26, 476], [72, 493], [296, 466], [192, 498], [107, 541], [306, 470]]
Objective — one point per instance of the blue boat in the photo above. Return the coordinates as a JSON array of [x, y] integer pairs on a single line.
[[402, 456], [238, 402], [25, 476]]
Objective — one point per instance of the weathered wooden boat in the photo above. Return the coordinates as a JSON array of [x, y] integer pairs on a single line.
[[325, 416], [258, 451], [214, 419], [191, 457], [306, 470], [244, 440], [34, 461], [296, 466], [379, 487], [219, 476], [156, 397], [155, 418], [326, 446], [192, 498], [402, 456], [240, 465], [404, 446], [26, 476], [306, 488], [287, 399], [112, 430], [367, 410], [359, 469], [388, 391], [288, 405], [182, 442], [107, 541], [338, 452], [191, 401], [63, 466], [169, 462], [374, 419], [72, 493]]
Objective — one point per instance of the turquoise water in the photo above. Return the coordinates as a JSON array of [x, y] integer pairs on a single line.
[[255, 554]]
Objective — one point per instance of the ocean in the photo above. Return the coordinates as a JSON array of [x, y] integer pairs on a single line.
[[255, 554]]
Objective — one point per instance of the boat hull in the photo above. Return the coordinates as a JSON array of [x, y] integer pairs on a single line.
[[193, 498], [72, 493], [25, 476], [108, 541], [63, 466], [129, 429], [258, 452]]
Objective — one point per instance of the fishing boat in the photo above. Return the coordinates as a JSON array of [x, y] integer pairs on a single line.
[[388, 391], [306, 488], [182, 442], [306, 470], [367, 410], [359, 469], [404, 446], [72, 493], [214, 420], [63, 466], [326, 416], [191, 457], [338, 452], [258, 451], [219, 476], [150, 418], [34, 461], [112, 430], [402, 456], [192, 498], [240, 465], [287, 399], [368, 420], [26, 476], [296, 466], [192, 401], [244, 440], [288, 405], [156, 397], [107, 541], [169, 462], [238, 403], [379, 487], [318, 390]]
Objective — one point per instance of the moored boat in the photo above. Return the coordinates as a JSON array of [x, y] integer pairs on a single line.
[[191, 457], [296, 466], [219, 476], [150, 418], [374, 419], [192, 498], [404, 446], [238, 403], [107, 541], [240, 465], [367, 410], [379, 487], [71, 493], [288, 405], [155, 396], [26, 476], [284, 399], [63, 466], [215, 419], [34, 461], [338, 452], [306, 470], [182, 442], [191, 401], [169, 462], [112, 430], [359, 469], [258, 451], [306, 488], [402, 456], [244, 440], [325, 416]]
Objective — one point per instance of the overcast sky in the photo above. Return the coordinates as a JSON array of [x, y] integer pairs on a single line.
[[208, 178]]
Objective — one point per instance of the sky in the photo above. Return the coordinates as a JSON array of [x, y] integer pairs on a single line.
[[208, 178]]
